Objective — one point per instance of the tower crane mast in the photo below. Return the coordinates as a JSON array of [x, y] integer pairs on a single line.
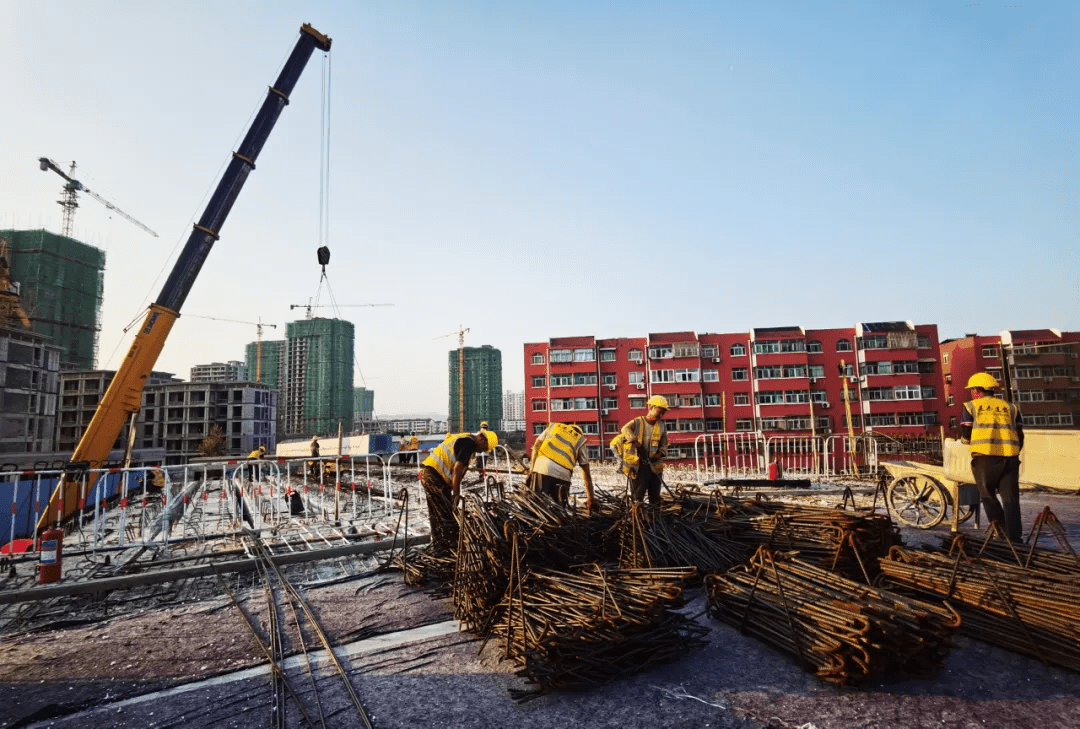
[[460, 372]]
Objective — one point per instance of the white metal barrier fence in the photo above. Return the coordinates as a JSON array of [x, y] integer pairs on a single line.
[[719, 456]]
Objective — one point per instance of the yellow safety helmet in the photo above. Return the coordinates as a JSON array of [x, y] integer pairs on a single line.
[[983, 380], [492, 439], [658, 401]]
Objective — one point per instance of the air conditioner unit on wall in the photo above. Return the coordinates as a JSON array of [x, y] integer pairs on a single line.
[[641, 386], [853, 379], [605, 411], [716, 360], [824, 406], [611, 387]]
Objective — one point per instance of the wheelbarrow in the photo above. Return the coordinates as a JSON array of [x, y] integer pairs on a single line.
[[919, 495]]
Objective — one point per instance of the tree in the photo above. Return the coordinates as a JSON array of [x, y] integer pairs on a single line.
[[214, 443]]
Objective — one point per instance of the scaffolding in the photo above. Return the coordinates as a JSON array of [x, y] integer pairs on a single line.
[[317, 386], [61, 284]]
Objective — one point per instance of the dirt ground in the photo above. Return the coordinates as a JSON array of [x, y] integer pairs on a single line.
[[196, 665]]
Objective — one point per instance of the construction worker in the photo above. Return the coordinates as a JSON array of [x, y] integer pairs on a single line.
[[313, 465], [441, 476], [555, 452], [640, 448], [995, 432], [481, 459], [255, 455], [314, 446]]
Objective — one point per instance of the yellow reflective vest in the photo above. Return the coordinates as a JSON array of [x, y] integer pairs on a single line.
[[442, 459], [628, 454], [993, 432], [563, 445]]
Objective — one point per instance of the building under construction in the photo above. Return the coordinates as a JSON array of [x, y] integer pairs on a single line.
[[313, 372], [481, 385], [61, 285]]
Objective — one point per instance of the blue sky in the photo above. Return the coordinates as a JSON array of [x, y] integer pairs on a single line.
[[557, 168]]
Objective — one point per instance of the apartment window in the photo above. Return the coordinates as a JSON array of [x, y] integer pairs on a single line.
[[952, 420], [874, 394], [794, 370], [874, 342], [562, 380], [661, 351], [843, 345], [634, 355], [855, 420], [924, 341], [796, 396], [848, 370], [740, 373], [610, 380], [905, 367], [661, 375], [590, 428], [687, 349], [814, 347], [584, 355], [584, 403], [611, 427], [819, 396], [926, 367], [1026, 373], [951, 403], [712, 398], [538, 380], [610, 403], [637, 403], [798, 423], [585, 378], [880, 420], [637, 378], [929, 392], [691, 426], [991, 351], [741, 398], [538, 359], [538, 428], [690, 401], [539, 405], [816, 371], [769, 372], [792, 345], [1031, 396], [714, 425], [607, 355], [907, 392], [994, 372], [562, 355], [909, 418], [766, 346], [945, 359], [772, 423], [770, 398], [710, 350], [710, 375], [744, 424], [687, 375], [738, 350], [562, 403]]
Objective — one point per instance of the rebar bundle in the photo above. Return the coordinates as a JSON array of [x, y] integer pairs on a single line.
[[843, 631], [668, 538], [578, 630], [1022, 609]]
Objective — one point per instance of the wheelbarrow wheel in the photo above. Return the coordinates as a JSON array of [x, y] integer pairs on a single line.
[[917, 501]]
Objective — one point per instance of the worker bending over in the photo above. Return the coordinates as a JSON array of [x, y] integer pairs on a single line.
[[995, 432], [641, 447], [441, 476], [555, 452]]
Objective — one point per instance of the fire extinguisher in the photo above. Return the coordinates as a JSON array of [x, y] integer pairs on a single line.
[[51, 551]]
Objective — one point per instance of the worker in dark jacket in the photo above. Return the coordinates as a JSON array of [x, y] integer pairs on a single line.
[[995, 432], [641, 447]]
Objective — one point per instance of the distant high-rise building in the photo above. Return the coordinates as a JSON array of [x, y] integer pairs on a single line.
[[482, 388], [231, 371], [363, 409], [513, 411], [61, 286], [316, 380], [266, 369]]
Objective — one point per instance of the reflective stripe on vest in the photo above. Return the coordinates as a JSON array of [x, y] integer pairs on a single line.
[[993, 432], [562, 447], [442, 459]]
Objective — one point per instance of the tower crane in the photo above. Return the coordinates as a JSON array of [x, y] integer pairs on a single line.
[[70, 201], [309, 307], [460, 373], [258, 341]]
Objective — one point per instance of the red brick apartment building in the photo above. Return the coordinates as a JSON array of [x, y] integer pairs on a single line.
[[772, 380], [1038, 367]]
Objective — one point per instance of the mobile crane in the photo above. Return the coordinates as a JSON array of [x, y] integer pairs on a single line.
[[124, 394]]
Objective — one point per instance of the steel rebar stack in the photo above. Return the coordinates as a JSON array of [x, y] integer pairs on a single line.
[[841, 630]]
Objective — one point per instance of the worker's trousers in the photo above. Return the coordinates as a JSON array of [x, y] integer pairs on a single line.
[[444, 527], [645, 481], [1000, 476]]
